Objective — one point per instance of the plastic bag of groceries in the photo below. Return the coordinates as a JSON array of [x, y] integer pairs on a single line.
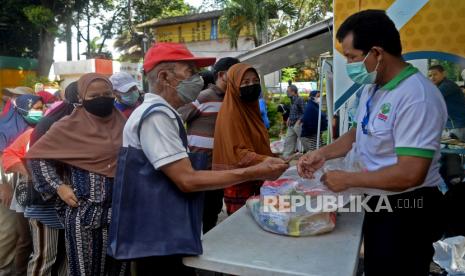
[[277, 147], [294, 206]]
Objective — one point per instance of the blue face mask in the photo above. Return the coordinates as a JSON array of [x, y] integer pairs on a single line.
[[358, 73], [130, 98]]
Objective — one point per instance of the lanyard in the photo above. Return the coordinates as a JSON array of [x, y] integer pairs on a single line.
[[366, 118]]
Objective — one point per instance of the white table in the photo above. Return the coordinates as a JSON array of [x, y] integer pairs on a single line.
[[239, 246]]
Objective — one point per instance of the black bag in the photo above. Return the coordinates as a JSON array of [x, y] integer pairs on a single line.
[[454, 200], [451, 168], [25, 193], [150, 215]]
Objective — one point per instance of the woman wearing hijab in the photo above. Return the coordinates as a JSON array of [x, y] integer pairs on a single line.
[[27, 112], [241, 139], [49, 255], [15, 241], [86, 144]]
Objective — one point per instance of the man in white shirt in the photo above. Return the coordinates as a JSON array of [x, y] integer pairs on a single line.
[[399, 123], [171, 71]]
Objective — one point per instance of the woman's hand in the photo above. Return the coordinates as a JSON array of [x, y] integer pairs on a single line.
[[66, 193]]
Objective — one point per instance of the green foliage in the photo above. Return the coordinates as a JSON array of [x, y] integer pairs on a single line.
[[40, 16], [288, 74], [452, 69], [129, 41], [31, 80], [18, 36], [239, 14]]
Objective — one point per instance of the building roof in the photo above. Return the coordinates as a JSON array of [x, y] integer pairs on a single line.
[[181, 19]]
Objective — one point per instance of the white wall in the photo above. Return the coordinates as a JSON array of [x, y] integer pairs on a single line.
[[220, 48]]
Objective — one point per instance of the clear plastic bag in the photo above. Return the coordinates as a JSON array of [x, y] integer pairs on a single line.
[[279, 208], [450, 255], [277, 147]]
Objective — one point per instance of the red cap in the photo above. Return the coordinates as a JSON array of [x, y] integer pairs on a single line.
[[162, 52]]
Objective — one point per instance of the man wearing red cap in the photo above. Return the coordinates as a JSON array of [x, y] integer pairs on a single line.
[[172, 74]]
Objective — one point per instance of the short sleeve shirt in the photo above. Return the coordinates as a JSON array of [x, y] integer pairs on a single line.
[[159, 137], [405, 118]]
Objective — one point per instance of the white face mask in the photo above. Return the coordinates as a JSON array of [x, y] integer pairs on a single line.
[[317, 100]]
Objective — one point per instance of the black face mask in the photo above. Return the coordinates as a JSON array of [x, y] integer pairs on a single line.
[[250, 93], [101, 106]]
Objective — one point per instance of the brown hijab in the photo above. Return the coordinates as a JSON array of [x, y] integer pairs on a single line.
[[83, 140], [241, 138]]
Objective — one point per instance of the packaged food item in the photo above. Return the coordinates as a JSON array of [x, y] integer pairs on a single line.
[[294, 206]]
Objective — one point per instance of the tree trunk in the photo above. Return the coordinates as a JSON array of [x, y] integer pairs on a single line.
[[78, 36], [45, 55], [88, 32], [69, 37]]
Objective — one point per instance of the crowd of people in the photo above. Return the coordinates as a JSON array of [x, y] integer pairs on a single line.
[[59, 158], [68, 159]]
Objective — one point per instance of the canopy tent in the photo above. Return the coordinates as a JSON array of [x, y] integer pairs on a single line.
[[292, 49]]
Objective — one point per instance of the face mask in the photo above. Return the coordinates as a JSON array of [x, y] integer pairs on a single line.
[[317, 100], [358, 73], [190, 88], [101, 106], [130, 98], [34, 116], [250, 93]]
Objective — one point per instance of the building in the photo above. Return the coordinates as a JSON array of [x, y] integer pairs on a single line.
[[201, 34]]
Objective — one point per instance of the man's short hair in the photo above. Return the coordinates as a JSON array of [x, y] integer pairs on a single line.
[[437, 67], [371, 28], [293, 88], [152, 75], [223, 64]]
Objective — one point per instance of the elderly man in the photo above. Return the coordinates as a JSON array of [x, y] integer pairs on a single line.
[[172, 73]]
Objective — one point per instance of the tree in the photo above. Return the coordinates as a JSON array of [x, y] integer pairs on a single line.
[[307, 13], [48, 16], [270, 19], [18, 36], [130, 39], [238, 14], [289, 74], [97, 49]]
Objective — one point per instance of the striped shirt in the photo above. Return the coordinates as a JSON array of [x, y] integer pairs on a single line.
[[200, 117], [46, 214]]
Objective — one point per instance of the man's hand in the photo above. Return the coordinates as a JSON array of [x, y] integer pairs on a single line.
[[6, 195], [66, 193], [336, 181], [310, 163], [288, 122], [270, 169]]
